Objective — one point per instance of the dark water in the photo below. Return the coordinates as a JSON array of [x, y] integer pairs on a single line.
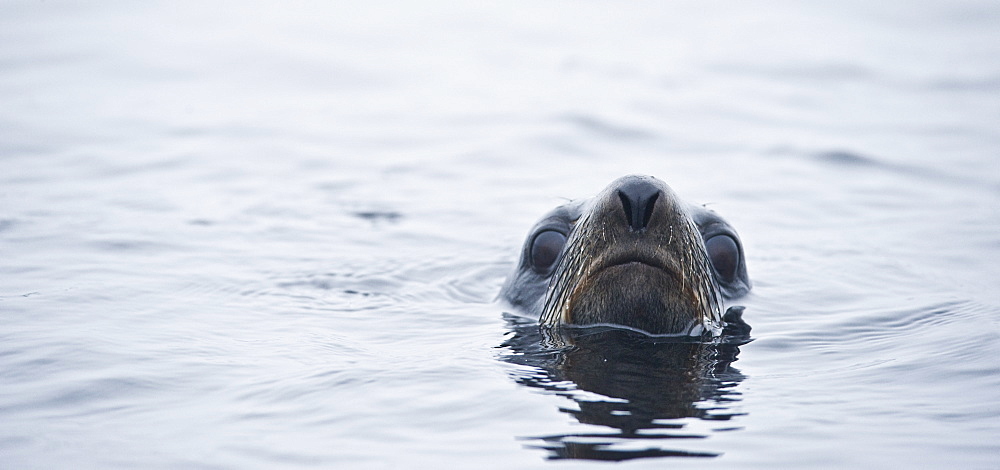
[[270, 235]]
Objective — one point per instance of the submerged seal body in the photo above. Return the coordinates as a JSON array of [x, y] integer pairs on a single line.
[[635, 255]]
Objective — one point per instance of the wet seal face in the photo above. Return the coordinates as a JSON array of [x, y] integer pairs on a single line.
[[636, 256]]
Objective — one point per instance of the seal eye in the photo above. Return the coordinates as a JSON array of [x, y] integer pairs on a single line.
[[545, 248], [725, 256]]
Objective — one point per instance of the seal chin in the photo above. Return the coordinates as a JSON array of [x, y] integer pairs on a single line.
[[636, 294]]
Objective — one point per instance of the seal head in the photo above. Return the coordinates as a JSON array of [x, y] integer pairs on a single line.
[[635, 255]]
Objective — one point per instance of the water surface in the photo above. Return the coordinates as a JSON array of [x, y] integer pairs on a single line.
[[270, 235]]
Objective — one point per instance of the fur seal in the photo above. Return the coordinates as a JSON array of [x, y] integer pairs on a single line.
[[634, 255]]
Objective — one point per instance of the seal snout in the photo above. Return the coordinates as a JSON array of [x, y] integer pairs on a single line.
[[638, 196]]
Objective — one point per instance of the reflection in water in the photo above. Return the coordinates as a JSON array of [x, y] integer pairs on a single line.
[[645, 390]]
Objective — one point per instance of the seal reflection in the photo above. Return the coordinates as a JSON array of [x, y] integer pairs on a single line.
[[644, 390]]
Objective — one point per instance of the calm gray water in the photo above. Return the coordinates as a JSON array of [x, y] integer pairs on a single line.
[[270, 235]]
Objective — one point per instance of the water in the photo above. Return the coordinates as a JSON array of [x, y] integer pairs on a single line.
[[270, 235]]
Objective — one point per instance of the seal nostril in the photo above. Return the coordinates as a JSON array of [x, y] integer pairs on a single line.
[[648, 214], [627, 205], [638, 201]]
